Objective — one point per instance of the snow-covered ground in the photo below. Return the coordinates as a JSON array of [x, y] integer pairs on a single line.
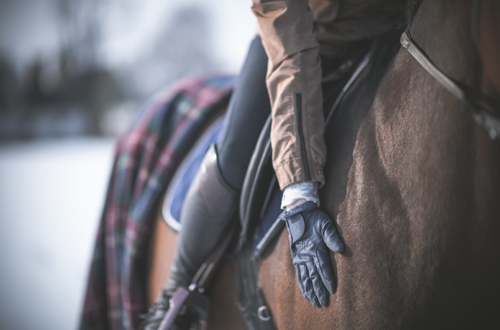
[[52, 192], [51, 195]]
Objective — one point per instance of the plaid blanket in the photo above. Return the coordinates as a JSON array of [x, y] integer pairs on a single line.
[[146, 158]]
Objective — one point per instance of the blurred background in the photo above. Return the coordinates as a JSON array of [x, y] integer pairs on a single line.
[[73, 74]]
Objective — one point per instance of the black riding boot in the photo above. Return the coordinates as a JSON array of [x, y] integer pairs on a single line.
[[208, 208]]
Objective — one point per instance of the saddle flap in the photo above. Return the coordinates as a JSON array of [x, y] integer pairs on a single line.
[[255, 187], [186, 173]]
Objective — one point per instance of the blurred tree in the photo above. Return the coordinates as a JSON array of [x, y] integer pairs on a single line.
[[81, 23], [9, 86], [183, 48]]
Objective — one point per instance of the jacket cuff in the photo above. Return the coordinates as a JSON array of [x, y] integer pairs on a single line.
[[307, 206], [290, 172], [303, 190]]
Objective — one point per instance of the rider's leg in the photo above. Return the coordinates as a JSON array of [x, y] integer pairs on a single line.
[[213, 197], [248, 111]]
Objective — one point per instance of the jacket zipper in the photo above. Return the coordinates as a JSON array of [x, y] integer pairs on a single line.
[[303, 153]]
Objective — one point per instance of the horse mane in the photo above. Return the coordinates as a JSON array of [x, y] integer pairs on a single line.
[[411, 9], [383, 51]]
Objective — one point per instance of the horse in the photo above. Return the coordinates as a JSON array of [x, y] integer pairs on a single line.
[[413, 186]]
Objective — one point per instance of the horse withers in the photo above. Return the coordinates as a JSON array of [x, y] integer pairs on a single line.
[[414, 186]]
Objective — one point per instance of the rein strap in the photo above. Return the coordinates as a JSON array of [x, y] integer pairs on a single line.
[[482, 118]]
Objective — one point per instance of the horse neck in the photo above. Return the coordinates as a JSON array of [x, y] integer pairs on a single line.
[[443, 29], [424, 180], [431, 141]]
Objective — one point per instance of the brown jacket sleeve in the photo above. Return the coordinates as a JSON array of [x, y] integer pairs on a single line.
[[294, 85], [293, 35]]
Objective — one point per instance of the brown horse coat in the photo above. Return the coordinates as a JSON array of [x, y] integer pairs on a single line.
[[419, 209]]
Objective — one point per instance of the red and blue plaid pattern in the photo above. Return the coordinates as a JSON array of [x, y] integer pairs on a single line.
[[146, 158]]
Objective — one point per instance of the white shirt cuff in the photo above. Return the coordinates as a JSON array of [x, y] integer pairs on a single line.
[[296, 191]]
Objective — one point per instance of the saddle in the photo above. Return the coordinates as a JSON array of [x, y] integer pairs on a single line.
[[258, 210]]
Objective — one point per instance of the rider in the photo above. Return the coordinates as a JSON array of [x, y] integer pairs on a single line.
[[297, 42]]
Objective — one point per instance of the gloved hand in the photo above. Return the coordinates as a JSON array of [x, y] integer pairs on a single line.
[[311, 231]]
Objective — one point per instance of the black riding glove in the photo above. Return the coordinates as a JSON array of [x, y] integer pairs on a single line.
[[309, 230]]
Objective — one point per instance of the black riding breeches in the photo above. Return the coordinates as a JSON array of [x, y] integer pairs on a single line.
[[245, 117]]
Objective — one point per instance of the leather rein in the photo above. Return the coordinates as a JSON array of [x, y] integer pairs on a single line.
[[480, 105]]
